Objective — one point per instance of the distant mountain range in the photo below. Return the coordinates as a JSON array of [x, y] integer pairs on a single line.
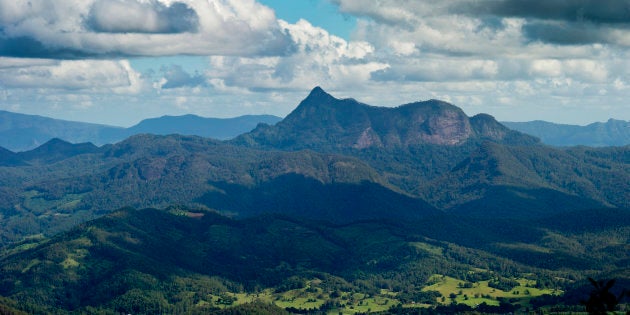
[[611, 133], [20, 132], [338, 202]]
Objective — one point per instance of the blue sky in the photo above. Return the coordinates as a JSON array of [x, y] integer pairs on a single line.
[[119, 61], [319, 13]]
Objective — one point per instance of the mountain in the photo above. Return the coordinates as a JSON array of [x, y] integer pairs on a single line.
[[322, 121], [20, 132], [216, 128], [469, 165], [611, 133]]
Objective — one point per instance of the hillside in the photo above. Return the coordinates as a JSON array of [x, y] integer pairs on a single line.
[[610, 133], [53, 191], [178, 260], [517, 181], [50, 194]]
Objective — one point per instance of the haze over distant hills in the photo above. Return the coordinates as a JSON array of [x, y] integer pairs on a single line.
[[20, 132], [598, 134]]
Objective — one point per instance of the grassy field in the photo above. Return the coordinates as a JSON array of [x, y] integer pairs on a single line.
[[313, 297], [481, 292]]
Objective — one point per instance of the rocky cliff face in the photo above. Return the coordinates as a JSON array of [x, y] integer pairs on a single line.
[[322, 120], [433, 122]]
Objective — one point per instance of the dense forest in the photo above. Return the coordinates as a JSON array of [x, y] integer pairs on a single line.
[[180, 260]]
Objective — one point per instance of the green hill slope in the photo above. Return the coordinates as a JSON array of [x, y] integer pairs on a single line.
[[180, 260]]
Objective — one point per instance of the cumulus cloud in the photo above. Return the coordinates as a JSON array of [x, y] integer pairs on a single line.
[[130, 16], [551, 21], [595, 11], [113, 28], [319, 58], [499, 40], [175, 77], [90, 75]]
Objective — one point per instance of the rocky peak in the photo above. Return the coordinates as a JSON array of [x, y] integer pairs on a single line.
[[486, 127], [316, 97], [322, 120]]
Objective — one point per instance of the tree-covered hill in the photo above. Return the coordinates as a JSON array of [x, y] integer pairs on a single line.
[[180, 260], [46, 197]]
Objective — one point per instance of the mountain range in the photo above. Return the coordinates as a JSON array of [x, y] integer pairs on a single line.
[[20, 132], [611, 133], [339, 198]]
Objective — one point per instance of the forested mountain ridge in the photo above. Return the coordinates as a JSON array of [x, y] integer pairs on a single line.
[[148, 170], [533, 180]]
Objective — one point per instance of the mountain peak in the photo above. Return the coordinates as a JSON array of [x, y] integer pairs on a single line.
[[322, 120], [317, 93]]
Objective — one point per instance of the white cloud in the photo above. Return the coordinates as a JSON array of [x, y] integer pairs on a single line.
[[104, 28], [319, 59], [403, 48], [89, 75], [127, 16]]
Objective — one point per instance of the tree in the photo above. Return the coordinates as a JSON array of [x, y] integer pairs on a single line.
[[601, 299]]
